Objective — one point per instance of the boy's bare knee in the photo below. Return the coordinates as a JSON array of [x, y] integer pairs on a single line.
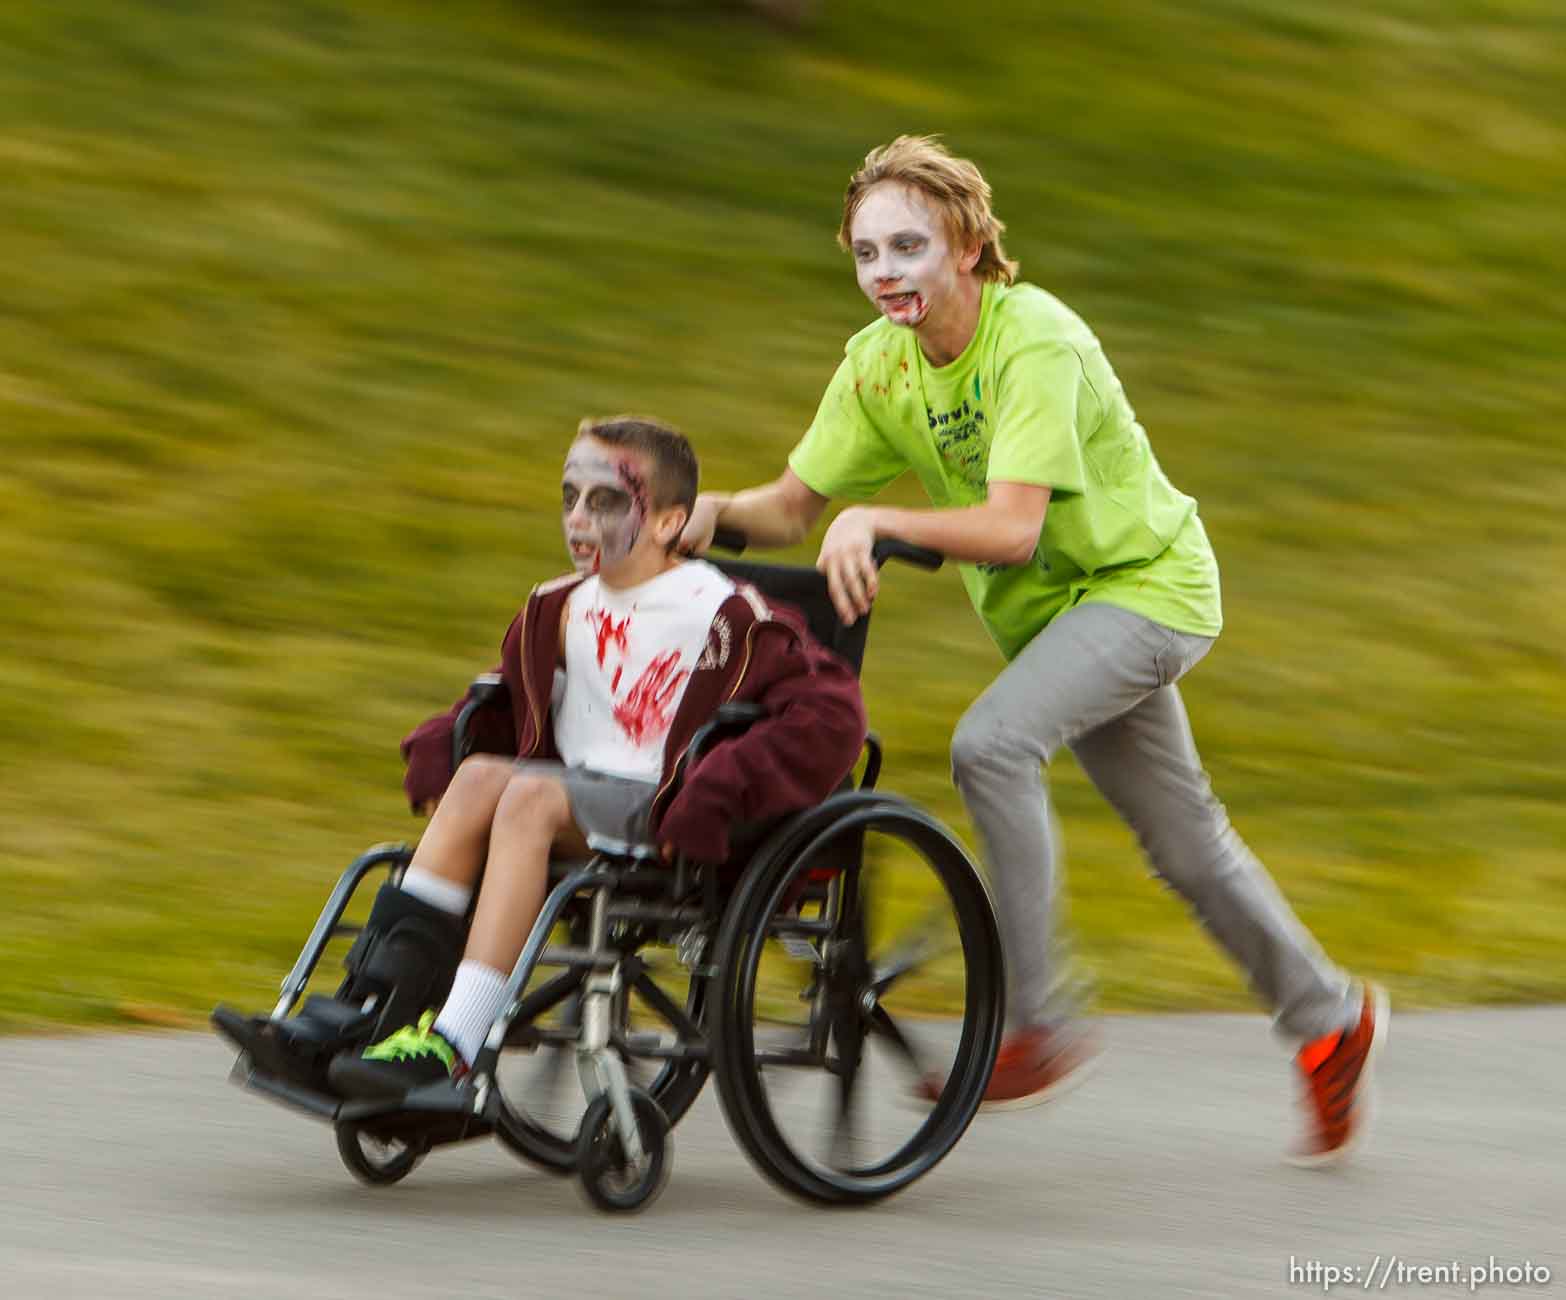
[[537, 800], [481, 774], [471, 797]]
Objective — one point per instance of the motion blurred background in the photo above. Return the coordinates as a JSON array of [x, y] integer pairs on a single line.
[[304, 299]]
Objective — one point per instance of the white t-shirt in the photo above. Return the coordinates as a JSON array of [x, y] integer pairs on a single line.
[[629, 654]]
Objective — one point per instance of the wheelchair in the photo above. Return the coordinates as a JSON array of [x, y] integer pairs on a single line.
[[801, 975]]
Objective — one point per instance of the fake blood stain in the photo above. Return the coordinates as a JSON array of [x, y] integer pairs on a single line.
[[609, 632], [641, 714], [636, 488]]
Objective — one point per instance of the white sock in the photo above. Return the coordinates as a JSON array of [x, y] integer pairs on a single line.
[[476, 995], [437, 891]]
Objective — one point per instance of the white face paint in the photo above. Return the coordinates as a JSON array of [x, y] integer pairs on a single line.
[[603, 504], [902, 256]]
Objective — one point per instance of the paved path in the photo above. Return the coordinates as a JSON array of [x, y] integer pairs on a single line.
[[129, 1168]]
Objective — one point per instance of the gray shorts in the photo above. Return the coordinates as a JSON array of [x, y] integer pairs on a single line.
[[601, 804]]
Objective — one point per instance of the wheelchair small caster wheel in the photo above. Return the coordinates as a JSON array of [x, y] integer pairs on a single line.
[[376, 1161], [609, 1180]]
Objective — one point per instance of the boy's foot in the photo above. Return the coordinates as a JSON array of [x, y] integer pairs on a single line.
[[415, 1055], [1034, 1065], [1040, 1063], [1335, 1074]]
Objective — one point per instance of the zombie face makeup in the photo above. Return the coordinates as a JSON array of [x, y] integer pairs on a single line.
[[902, 255], [603, 505]]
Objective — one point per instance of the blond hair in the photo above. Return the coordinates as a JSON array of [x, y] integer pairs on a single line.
[[953, 185]]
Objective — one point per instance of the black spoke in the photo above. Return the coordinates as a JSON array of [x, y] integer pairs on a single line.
[[846, 976], [921, 949], [881, 1023], [660, 1002], [849, 1034], [905, 915]]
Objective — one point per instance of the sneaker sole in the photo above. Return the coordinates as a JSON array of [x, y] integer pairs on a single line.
[[1381, 1011]]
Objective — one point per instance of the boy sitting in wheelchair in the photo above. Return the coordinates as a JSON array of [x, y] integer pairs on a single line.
[[610, 673]]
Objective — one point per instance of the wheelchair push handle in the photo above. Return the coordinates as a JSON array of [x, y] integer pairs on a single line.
[[887, 548], [921, 557]]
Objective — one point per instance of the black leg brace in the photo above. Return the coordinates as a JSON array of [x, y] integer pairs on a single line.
[[404, 959], [401, 964]]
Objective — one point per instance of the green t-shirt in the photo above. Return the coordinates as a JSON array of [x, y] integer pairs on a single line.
[[1032, 399]]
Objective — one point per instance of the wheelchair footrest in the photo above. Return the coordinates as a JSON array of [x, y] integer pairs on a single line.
[[297, 1096], [432, 1100], [299, 1048], [442, 1115]]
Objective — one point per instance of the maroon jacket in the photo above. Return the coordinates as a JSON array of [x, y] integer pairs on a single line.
[[759, 651]]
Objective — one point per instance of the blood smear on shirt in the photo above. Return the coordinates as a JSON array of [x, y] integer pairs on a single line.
[[641, 713], [608, 630]]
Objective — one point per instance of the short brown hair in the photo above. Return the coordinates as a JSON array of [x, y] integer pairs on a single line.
[[954, 185], [675, 473]]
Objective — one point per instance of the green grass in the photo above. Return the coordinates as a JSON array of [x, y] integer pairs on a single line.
[[303, 300]]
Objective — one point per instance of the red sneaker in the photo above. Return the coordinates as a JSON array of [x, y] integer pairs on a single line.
[[1038, 1064], [1034, 1065], [1335, 1072]]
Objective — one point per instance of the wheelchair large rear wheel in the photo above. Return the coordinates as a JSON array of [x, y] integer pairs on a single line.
[[858, 974]]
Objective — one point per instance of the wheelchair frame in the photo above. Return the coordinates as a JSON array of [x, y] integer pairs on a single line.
[[624, 898]]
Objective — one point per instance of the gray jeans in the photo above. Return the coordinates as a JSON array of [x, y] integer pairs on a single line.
[[1101, 681]]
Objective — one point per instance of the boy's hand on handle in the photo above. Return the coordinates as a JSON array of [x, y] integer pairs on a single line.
[[699, 528], [849, 565]]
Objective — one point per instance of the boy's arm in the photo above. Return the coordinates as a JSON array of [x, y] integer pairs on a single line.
[[427, 752], [427, 748], [1002, 530], [793, 757]]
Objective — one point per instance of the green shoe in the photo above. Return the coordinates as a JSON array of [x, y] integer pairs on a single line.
[[410, 1058]]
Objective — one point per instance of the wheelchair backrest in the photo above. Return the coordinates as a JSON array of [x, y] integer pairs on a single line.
[[806, 591]]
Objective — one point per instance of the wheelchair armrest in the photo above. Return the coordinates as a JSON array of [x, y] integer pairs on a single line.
[[739, 714], [872, 761], [735, 715], [488, 690], [736, 712]]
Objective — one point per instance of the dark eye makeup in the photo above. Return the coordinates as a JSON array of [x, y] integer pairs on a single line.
[[599, 500], [608, 501]]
